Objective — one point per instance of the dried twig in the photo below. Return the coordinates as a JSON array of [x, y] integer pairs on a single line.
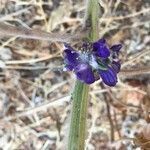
[[8, 30], [110, 118], [144, 11], [32, 110], [137, 71]]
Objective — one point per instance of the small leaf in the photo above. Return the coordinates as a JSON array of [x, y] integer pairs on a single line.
[[101, 65]]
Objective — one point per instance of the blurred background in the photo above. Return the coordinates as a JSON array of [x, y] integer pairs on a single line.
[[35, 93]]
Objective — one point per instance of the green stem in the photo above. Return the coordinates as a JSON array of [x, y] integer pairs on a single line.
[[92, 17], [77, 133], [78, 118]]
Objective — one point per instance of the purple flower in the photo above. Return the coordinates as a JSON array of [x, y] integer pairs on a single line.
[[93, 62]]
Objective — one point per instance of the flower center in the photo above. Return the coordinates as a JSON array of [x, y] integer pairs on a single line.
[[84, 56]]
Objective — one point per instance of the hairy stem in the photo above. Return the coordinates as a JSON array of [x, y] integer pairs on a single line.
[[91, 19], [78, 118], [77, 133]]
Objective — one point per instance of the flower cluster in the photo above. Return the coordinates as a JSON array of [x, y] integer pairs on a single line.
[[95, 60]]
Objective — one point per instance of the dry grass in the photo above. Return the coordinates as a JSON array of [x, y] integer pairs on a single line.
[[35, 93]]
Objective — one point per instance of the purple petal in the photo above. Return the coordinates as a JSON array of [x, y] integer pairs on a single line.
[[101, 49], [71, 58], [67, 46], [116, 47], [102, 40], [116, 66], [84, 73], [109, 76], [68, 68]]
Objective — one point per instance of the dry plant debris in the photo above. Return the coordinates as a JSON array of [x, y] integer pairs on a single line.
[[35, 92]]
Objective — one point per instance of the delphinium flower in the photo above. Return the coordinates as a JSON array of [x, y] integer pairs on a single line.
[[94, 60]]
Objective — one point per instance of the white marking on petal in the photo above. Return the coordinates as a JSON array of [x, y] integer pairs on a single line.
[[93, 62]]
